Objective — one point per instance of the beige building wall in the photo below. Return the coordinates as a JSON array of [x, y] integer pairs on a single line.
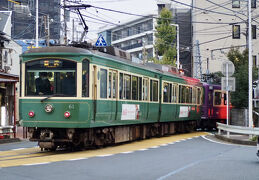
[[214, 31]]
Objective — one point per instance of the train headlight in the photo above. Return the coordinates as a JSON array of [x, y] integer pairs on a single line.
[[48, 108], [67, 114], [31, 114]]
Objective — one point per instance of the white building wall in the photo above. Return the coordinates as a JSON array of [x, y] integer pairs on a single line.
[[215, 39]]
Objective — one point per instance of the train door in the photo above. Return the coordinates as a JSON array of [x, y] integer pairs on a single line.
[[145, 97], [210, 103], [113, 94], [94, 90]]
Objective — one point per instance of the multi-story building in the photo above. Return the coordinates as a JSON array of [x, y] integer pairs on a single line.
[[24, 18], [138, 36], [135, 36], [218, 26], [9, 76]]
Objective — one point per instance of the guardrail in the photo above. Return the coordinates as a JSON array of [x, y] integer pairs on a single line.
[[237, 129]]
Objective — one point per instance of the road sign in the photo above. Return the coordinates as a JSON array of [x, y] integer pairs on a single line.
[[100, 42], [231, 84], [228, 66]]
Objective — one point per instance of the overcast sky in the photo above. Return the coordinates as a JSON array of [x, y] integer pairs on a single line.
[[142, 7]]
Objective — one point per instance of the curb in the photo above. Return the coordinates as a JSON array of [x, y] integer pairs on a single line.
[[236, 141], [11, 140]]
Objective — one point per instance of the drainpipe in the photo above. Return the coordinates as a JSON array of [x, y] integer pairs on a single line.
[[14, 124]]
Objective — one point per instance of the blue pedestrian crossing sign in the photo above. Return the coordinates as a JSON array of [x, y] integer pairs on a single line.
[[100, 42]]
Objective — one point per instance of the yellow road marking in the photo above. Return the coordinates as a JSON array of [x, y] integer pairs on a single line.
[[18, 158]]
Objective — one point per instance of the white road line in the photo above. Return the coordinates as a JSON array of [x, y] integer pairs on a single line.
[[36, 164], [177, 141], [17, 149], [154, 147], [127, 152], [76, 159], [171, 143], [142, 149], [189, 138], [105, 155], [204, 137], [164, 145]]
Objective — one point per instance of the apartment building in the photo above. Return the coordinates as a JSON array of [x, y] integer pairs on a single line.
[[134, 36], [218, 26]]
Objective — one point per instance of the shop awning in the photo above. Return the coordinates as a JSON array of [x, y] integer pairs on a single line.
[[8, 80]]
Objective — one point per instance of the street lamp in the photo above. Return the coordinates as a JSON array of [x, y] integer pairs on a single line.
[[178, 45]]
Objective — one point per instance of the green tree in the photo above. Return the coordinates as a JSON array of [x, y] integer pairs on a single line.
[[239, 98], [165, 37]]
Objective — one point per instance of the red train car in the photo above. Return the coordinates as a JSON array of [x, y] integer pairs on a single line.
[[214, 108]]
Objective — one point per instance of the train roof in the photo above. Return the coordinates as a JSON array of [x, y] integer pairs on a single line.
[[55, 49], [157, 68]]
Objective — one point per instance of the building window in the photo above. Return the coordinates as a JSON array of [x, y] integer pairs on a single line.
[[235, 3], [253, 3], [254, 31], [254, 61], [236, 31]]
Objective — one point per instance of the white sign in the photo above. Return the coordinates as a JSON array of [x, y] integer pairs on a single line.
[[228, 68], [184, 111], [231, 84], [130, 112]]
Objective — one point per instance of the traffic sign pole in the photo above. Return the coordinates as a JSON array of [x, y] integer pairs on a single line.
[[227, 97]]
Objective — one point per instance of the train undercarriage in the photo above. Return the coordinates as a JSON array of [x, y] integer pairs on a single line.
[[53, 138]]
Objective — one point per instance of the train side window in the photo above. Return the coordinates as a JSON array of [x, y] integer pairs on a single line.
[[180, 94], [135, 88], [110, 85], [114, 84], [194, 95], [188, 94], [154, 92], [121, 85], [199, 96], [166, 92], [183, 94], [170, 93], [85, 78], [145, 89], [217, 98], [174, 98], [103, 83], [225, 99], [140, 88], [127, 86]]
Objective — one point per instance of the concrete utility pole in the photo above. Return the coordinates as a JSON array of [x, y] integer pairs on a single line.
[[250, 69], [47, 32], [65, 24], [178, 44], [37, 24]]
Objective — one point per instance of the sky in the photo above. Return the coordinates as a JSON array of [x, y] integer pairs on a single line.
[[142, 7]]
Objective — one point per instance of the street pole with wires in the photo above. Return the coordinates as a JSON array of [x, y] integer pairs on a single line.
[[37, 24], [250, 69]]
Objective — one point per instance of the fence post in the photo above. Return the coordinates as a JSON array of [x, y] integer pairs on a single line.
[[219, 131]]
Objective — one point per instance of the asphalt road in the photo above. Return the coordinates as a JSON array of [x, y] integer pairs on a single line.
[[193, 158]]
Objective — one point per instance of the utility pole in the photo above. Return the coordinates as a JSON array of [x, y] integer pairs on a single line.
[[197, 63], [37, 24], [65, 24], [250, 68], [73, 30], [47, 32]]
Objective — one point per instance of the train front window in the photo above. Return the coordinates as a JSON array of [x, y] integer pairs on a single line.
[[50, 77]]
